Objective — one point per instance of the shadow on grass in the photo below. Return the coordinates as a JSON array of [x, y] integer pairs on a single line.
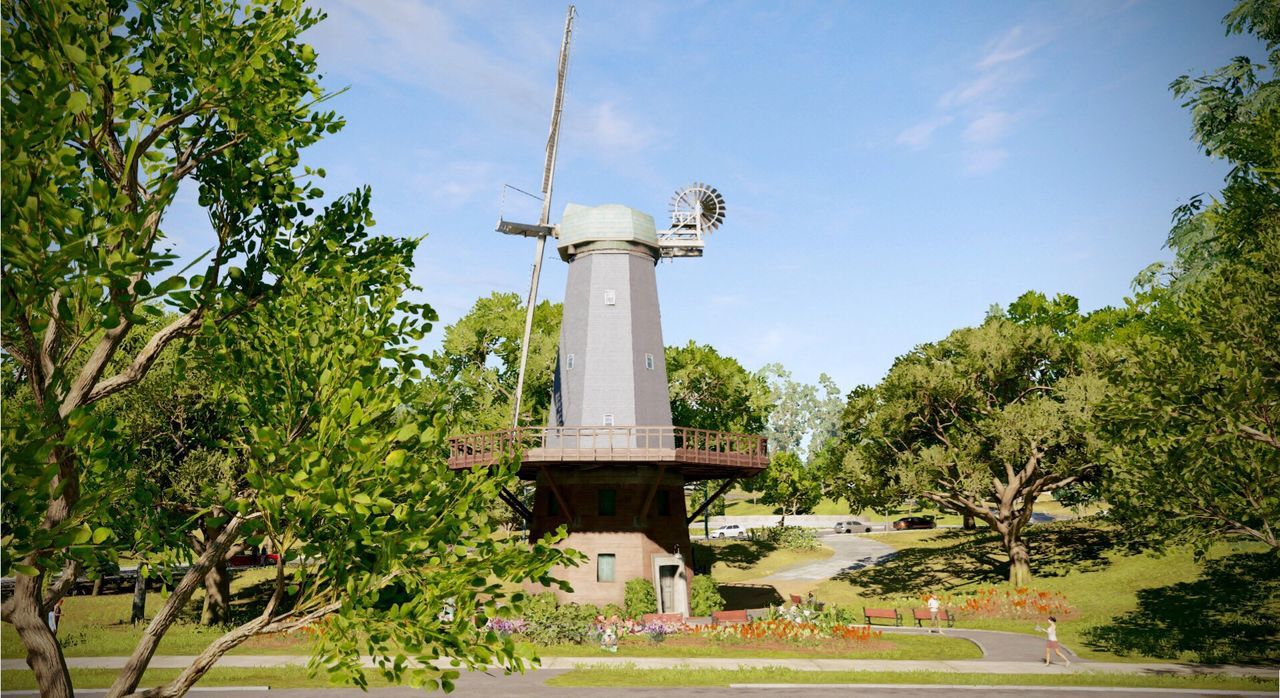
[[742, 596], [738, 554], [1231, 614], [967, 558]]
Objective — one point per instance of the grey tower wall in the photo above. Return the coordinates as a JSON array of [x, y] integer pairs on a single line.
[[609, 342]]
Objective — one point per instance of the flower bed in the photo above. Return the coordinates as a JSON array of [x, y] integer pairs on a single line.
[[788, 631], [1020, 603]]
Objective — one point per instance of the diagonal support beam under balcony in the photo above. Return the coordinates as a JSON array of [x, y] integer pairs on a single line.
[[723, 488], [555, 490], [516, 505], [653, 489]]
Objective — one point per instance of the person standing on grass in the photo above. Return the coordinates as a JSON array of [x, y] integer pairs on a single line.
[[1052, 644], [934, 606]]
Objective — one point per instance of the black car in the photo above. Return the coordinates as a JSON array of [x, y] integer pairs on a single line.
[[908, 522]]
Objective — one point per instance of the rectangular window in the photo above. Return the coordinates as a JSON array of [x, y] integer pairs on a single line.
[[608, 502], [610, 297], [605, 564], [608, 419], [553, 505], [648, 361], [568, 362], [664, 503]]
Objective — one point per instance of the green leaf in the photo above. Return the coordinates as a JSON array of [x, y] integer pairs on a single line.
[[77, 102], [100, 535]]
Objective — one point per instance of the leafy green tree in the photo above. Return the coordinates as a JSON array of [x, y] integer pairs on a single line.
[[980, 423], [789, 484], [477, 364], [792, 418], [711, 391], [1194, 415], [109, 109]]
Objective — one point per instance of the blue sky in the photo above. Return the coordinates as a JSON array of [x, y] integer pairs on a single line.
[[891, 169]]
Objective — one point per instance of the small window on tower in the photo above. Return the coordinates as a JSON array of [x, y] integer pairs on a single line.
[[568, 362], [605, 564], [610, 297], [608, 419], [648, 361]]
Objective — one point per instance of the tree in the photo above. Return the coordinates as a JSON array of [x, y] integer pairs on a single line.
[[789, 484], [792, 418], [109, 109], [1194, 415], [711, 391], [980, 423], [477, 363]]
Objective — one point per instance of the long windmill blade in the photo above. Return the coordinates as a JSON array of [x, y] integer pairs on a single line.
[[548, 177]]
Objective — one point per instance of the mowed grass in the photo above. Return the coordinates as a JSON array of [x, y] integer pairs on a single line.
[[97, 626], [738, 561], [688, 676], [277, 677], [888, 647], [1126, 606]]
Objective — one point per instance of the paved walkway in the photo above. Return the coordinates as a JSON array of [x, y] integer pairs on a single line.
[[968, 666], [853, 552]]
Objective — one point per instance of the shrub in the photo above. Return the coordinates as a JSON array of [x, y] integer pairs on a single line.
[[611, 610], [789, 537], [547, 623], [706, 598], [640, 597]]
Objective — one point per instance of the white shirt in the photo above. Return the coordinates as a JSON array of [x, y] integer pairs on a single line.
[[933, 604], [1053, 632]]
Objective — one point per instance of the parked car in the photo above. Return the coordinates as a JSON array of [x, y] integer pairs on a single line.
[[852, 526], [907, 522], [730, 531]]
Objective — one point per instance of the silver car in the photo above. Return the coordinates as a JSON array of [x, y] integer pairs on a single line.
[[852, 526]]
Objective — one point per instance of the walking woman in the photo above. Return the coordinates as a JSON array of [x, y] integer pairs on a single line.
[[1052, 644]]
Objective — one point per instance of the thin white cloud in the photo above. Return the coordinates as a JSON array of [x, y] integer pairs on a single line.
[[919, 135], [611, 131], [1017, 43], [985, 160], [988, 127]]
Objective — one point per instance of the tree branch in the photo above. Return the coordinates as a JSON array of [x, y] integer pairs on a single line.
[[1260, 436]]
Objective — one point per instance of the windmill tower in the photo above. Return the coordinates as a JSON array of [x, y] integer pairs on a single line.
[[609, 465]]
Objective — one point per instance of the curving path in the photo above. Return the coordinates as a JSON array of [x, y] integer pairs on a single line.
[[853, 552]]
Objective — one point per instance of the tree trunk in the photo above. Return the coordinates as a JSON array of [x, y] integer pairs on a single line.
[[1019, 563], [138, 613], [969, 523], [217, 595], [131, 674], [97, 587], [44, 655]]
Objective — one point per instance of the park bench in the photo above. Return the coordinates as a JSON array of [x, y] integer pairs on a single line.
[[922, 615], [795, 599], [661, 618], [728, 617], [883, 614]]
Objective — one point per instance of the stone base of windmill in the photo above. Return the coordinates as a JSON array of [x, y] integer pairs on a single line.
[[622, 540]]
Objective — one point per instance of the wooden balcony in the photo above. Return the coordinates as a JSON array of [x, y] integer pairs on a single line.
[[698, 453]]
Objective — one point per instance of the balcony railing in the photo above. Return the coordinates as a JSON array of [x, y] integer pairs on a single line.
[[548, 445]]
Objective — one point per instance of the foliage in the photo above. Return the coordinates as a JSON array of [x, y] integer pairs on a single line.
[[477, 365], [704, 596], [786, 537], [639, 597], [710, 391], [788, 483], [980, 423], [548, 623], [1193, 419]]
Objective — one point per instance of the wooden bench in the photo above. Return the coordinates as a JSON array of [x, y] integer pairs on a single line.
[[922, 615], [728, 617], [795, 599], [883, 614], [661, 618]]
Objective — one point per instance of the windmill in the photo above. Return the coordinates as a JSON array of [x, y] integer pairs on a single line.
[[609, 465]]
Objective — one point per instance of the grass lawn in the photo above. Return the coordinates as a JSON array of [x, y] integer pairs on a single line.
[[279, 677], [629, 676], [887, 647], [97, 626], [1126, 606], [738, 561]]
